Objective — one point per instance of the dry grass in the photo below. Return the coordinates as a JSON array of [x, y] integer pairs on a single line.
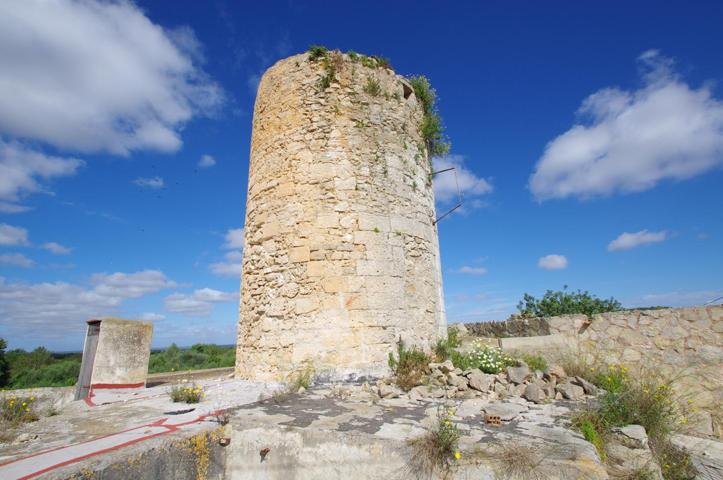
[[433, 455], [517, 461]]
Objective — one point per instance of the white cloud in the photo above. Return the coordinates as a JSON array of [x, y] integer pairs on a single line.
[[10, 235], [131, 285], [199, 303], [231, 265], [626, 240], [206, 161], [56, 248], [552, 262], [98, 76], [154, 317], [23, 169], [472, 270], [155, 182], [445, 186], [53, 310], [17, 260], [634, 139], [234, 238]]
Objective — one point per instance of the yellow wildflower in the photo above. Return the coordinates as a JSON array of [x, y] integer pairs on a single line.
[[457, 455]]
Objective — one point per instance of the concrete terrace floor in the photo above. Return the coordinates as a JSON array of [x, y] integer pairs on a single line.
[[116, 419]]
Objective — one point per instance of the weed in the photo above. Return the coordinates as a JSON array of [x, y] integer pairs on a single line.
[[353, 56], [437, 450], [534, 361], [414, 186], [409, 367], [376, 229], [382, 62], [316, 52], [515, 461], [432, 129], [446, 346], [368, 62], [646, 399], [186, 393], [14, 409], [372, 87]]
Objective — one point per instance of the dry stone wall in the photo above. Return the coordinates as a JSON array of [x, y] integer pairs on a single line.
[[684, 342], [341, 256]]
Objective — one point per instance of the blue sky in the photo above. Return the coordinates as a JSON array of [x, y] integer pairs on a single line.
[[588, 140]]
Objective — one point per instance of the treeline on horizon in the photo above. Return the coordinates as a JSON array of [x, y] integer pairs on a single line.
[[43, 368]]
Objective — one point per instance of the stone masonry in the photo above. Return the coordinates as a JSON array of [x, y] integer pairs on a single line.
[[341, 255]]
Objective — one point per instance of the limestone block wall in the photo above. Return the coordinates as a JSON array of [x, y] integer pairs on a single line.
[[341, 256], [686, 343]]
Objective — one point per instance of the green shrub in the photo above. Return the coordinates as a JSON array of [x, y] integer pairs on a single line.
[[409, 367], [382, 62], [646, 399], [432, 129], [353, 56], [17, 409], [4, 365], [534, 361], [562, 302], [372, 87], [487, 358], [198, 357], [186, 393], [445, 347], [316, 52]]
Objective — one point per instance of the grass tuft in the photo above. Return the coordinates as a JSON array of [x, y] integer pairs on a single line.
[[436, 451]]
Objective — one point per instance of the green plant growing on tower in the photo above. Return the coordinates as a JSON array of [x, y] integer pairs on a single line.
[[432, 129]]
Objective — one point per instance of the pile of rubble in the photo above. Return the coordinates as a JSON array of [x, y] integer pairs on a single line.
[[534, 386]]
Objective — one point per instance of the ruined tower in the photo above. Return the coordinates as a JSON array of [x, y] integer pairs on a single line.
[[341, 254]]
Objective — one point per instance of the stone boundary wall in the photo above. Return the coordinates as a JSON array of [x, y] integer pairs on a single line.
[[684, 342]]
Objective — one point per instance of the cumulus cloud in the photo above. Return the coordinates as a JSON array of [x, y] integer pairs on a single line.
[[53, 310], [445, 185], [231, 264], [626, 240], [206, 161], [22, 171], [154, 182], [131, 285], [98, 76], [56, 248], [10, 236], [472, 270], [629, 141], [199, 303], [552, 262], [16, 260]]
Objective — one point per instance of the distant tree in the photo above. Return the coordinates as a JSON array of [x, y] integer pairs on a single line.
[[4, 365], [563, 302]]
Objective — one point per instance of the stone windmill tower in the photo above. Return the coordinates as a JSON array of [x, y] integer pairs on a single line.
[[341, 253]]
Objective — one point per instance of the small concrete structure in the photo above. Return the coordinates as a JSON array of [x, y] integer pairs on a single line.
[[115, 355]]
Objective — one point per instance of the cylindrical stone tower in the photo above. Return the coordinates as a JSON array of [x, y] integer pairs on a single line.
[[341, 254]]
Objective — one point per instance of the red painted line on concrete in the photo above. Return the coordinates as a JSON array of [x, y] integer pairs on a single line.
[[97, 386], [158, 423]]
